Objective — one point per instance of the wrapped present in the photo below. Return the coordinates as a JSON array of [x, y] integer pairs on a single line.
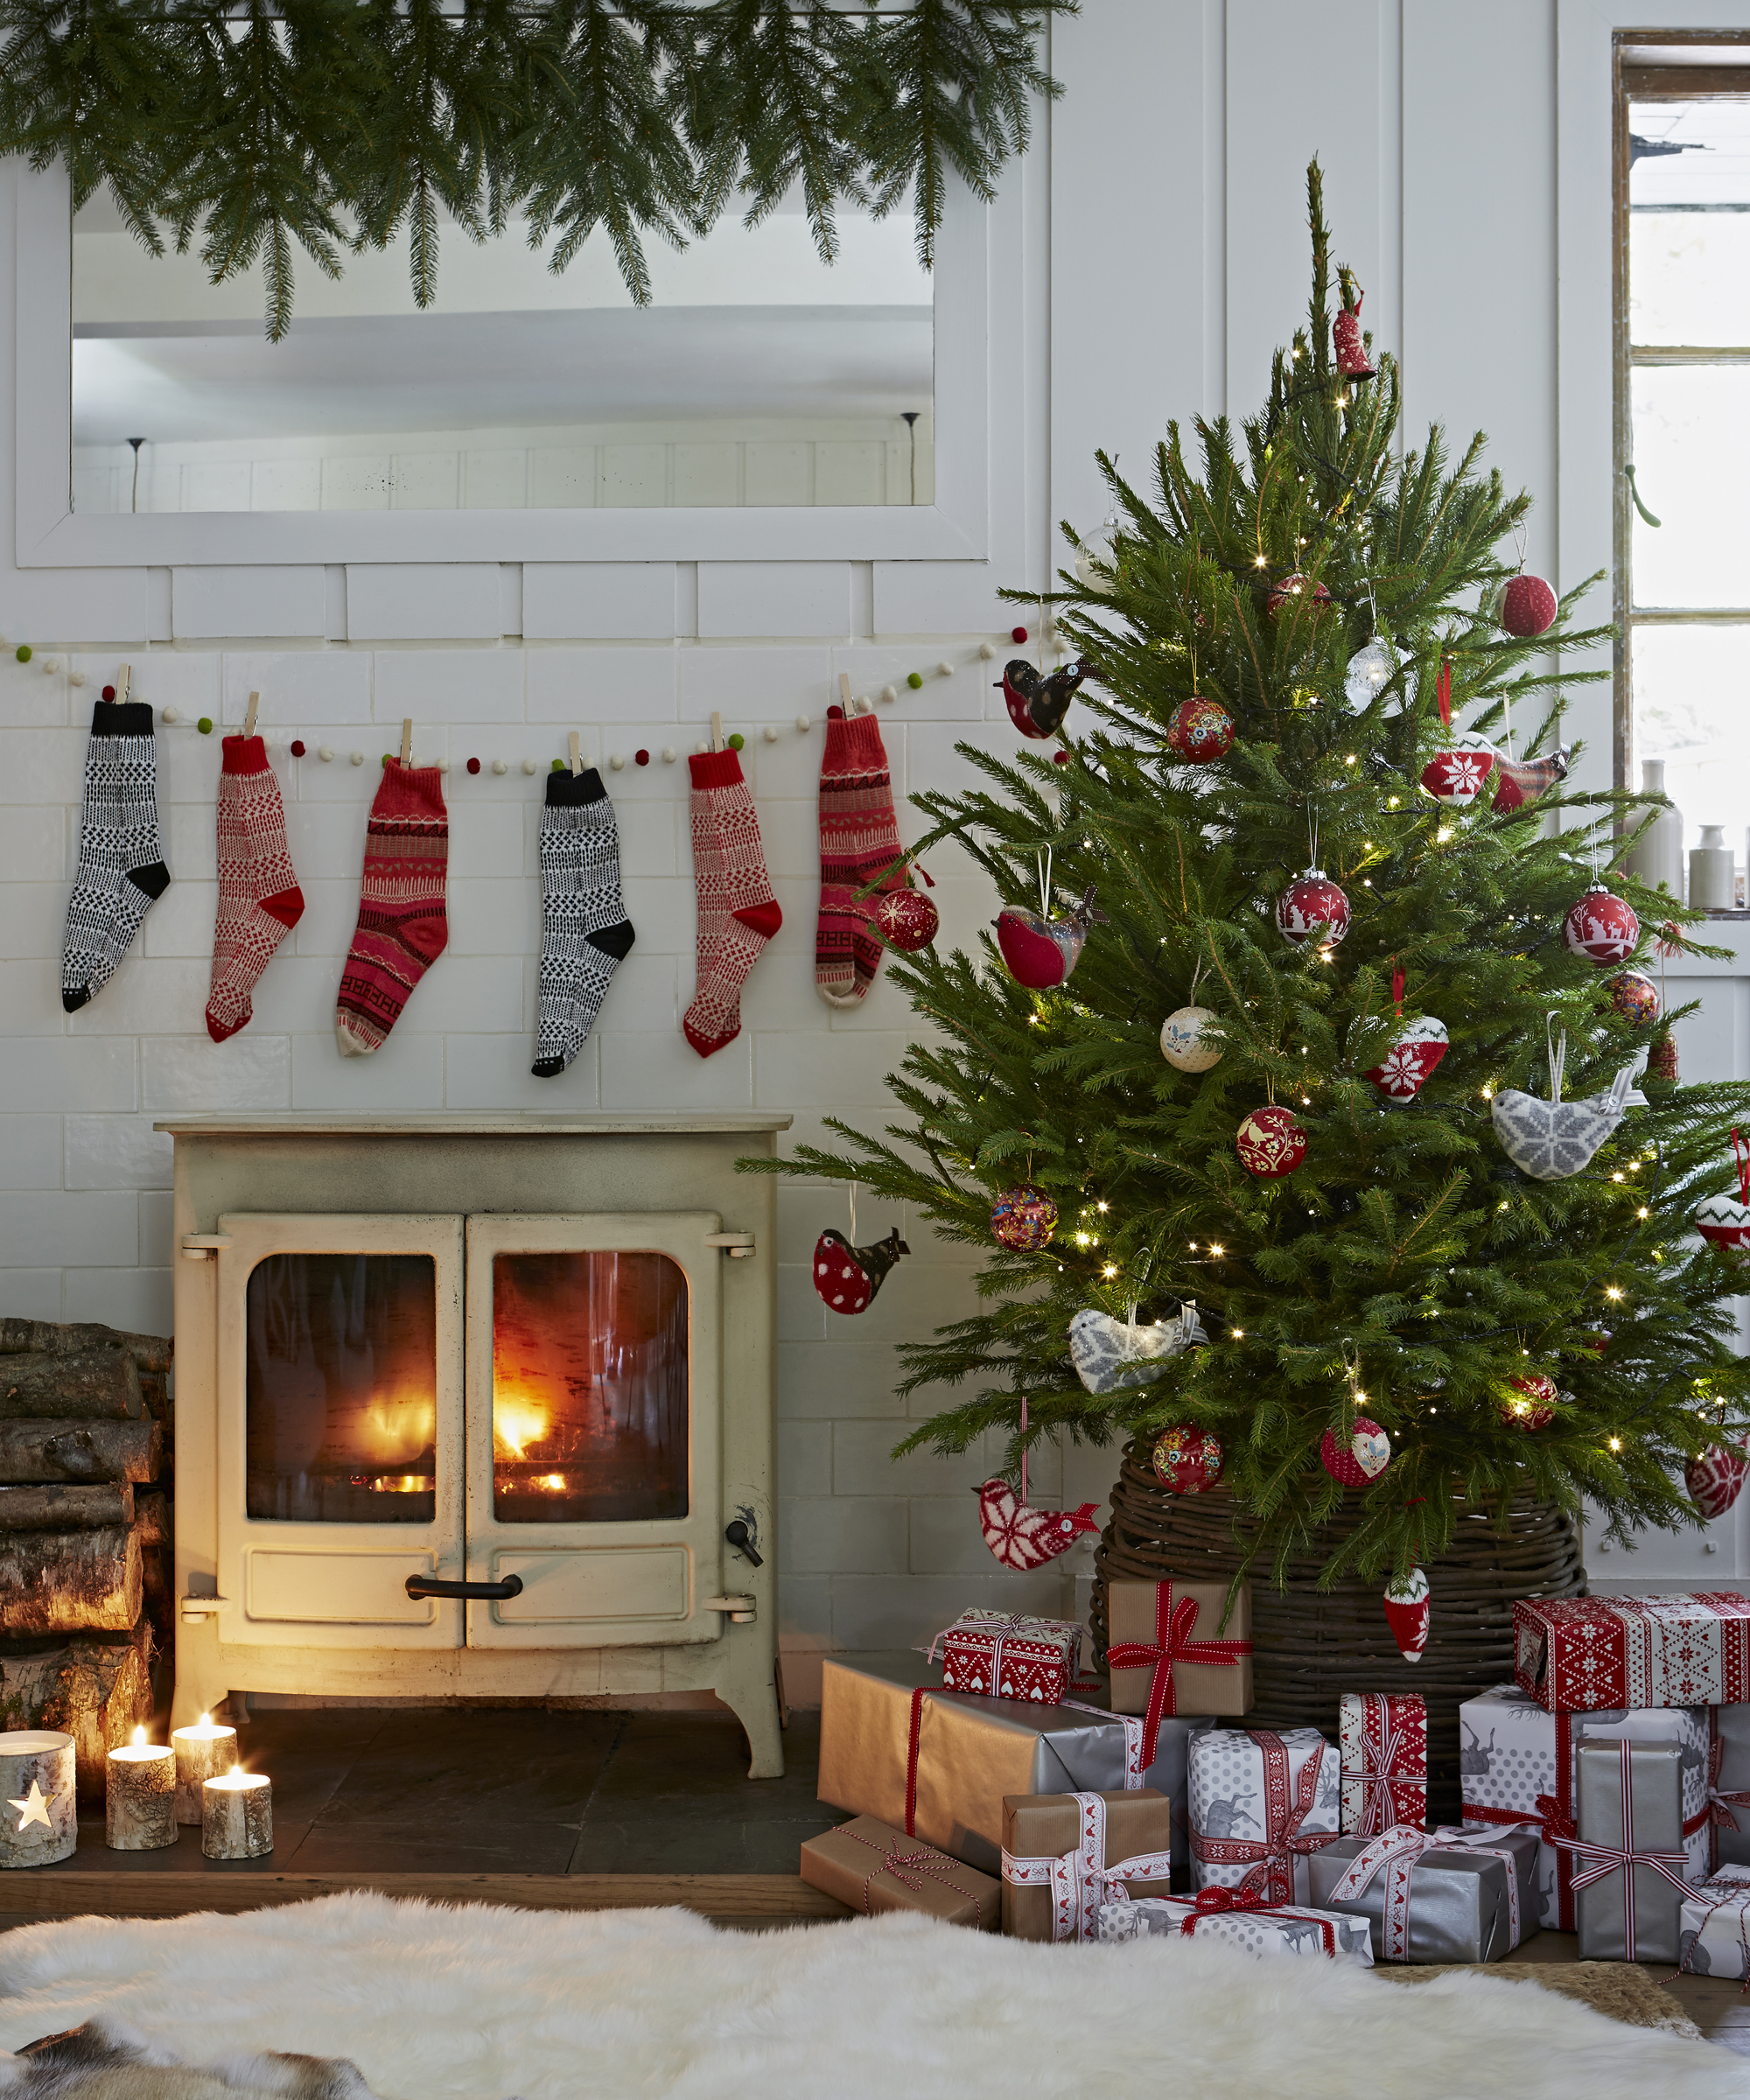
[[1628, 1854], [936, 1764], [1170, 1650], [1241, 1918], [1713, 1926], [1008, 1655], [1516, 1765], [1453, 1894], [1576, 1655], [873, 1867], [1260, 1802], [1728, 1785], [1066, 1854], [1383, 1736]]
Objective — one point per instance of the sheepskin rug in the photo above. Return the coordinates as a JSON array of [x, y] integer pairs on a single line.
[[479, 2002]]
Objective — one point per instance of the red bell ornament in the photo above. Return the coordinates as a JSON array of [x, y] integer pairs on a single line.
[[1363, 1457], [1535, 1404], [1636, 997], [1415, 1050], [1460, 771], [1601, 928], [1528, 606], [1312, 906], [1287, 589], [907, 920], [1039, 952], [1200, 732], [1188, 1460], [1271, 1143]]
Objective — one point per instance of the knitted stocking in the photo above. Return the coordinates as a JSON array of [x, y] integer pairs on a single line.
[[737, 913], [121, 872], [585, 931], [858, 838], [402, 929], [259, 900]]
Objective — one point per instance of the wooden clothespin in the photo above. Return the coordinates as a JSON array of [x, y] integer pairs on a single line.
[[407, 739], [575, 764], [124, 677], [249, 718], [845, 695], [716, 730]]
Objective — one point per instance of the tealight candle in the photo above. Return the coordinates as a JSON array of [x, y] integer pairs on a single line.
[[139, 1807], [237, 1815], [202, 1752], [40, 1824]]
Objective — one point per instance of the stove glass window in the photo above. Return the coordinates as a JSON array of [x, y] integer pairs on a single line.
[[342, 1388], [590, 1400]]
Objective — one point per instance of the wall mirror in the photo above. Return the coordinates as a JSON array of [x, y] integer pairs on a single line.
[[758, 377]]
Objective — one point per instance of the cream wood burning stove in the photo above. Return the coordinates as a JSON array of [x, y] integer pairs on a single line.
[[476, 1407]]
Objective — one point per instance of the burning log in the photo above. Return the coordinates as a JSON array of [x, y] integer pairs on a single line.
[[88, 1451], [70, 1582], [46, 1337], [100, 1385], [57, 1508]]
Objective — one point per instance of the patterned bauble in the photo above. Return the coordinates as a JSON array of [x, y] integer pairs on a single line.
[[1662, 1058], [907, 920], [1286, 589], [1370, 670], [1346, 334], [1716, 1479], [1200, 730], [1313, 904], [1271, 1143], [1188, 1460], [1192, 1038], [1415, 1050], [1636, 997], [1458, 772], [1535, 1405], [1023, 1218], [1528, 606], [1601, 928], [1362, 1459], [1408, 1612]]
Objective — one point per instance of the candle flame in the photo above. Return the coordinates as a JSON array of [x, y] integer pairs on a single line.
[[206, 1720], [139, 1737]]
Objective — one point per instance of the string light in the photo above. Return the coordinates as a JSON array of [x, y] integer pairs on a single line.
[[1214, 1249], [1612, 1291], [1444, 834], [1643, 1212], [1238, 1333], [1616, 1443], [1102, 1209], [1109, 1271]]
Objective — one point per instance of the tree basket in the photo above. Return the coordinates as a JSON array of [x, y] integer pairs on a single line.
[[1310, 1646]]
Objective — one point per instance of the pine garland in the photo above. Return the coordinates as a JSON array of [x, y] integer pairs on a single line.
[[328, 125], [1407, 1244]]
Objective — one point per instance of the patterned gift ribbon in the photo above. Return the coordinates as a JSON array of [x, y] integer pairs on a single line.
[[1269, 1859], [1387, 1792], [1217, 1902], [1172, 1643], [1079, 1879], [974, 1630], [1721, 1808], [1394, 1854], [1619, 1858], [913, 1870], [1134, 1767], [1737, 1897]]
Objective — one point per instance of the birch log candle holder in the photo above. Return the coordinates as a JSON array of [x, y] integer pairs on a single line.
[[139, 1805], [237, 1815], [202, 1752], [40, 1824]]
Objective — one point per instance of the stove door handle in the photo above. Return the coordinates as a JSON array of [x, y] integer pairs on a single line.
[[485, 1592]]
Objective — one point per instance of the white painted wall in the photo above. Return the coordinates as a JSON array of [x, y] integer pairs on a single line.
[[1160, 256]]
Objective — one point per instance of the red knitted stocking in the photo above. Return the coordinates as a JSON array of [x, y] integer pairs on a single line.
[[737, 913], [401, 927], [259, 900], [858, 838]]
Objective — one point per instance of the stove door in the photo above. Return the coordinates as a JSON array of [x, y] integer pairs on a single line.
[[340, 1456], [594, 1454]]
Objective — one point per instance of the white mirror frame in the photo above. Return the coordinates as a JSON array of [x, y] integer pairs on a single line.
[[955, 528]]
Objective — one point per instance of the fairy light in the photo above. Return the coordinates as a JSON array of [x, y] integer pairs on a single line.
[[1444, 834], [1238, 1333], [1616, 1443], [1616, 1177], [1109, 1271], [1643, 1212], [1102, 1209], [1261, 562], [1082, 1240], [1488, 1093], [1214, 1249], [1501, 1207], [1612, 1291], [1391, 802], [1349, 759]]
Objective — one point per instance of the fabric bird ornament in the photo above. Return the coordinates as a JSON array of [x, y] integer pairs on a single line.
[[1551, 1139], [1519, 781], [847, 1278], [1037, 704], [1109, 1352], [1022, 1538]]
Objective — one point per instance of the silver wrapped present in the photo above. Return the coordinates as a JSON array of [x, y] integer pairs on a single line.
[[1713, 1926], [1454, 1894], [1728, 1784], [1268, 1929], [1628, 1856]]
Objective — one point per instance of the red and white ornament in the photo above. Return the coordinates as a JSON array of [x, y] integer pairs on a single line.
[[1188, 1460], [1535, 1408], [1288, 589], [1346, 333], [1528, 606], [1313, 904], [1407, 1613], [1716, 1479], [1636, 997], [1458, 772], [847, 1278], [1415, 1050], [1363, 1457], [1040, 952], [1023, 1218], [1601, 928], [1519, 782], [1725, 1220], [1271, 1143], [1037, 704], [1022, 1538], [907, 920], [1200, 732]]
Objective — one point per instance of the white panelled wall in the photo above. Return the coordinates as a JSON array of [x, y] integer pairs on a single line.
[[1162, 255]]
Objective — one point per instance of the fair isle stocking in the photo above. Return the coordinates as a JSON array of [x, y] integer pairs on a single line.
[[402, 925], [259, 900], [121, 872], [737, 913], [859, 838], [585, 931]]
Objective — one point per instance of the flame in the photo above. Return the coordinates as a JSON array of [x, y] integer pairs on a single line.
[[400, 1426], [139, 1737], [553, 1481], [516, 1424]]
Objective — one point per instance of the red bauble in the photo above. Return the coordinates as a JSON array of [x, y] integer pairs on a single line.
[[1271, 1143], [1716, 1480], [1313, 904], [1724, 1220], [1188, 1460], [1636, 997], [1415, 1050], [1200, 730], [1601, 928], [1362, 1459], [1528, 606], [1286, 589], [1458, 772], [1408, 1611], [1023, 1218], [907, 920], [1535, 1409]]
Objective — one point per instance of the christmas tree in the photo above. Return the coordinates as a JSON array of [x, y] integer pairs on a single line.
[[1325, 602]]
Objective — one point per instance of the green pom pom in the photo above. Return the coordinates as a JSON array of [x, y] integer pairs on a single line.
[[915, 679], [205, 725], [23, 652], [386, 758], [737, 742], [558, 766]]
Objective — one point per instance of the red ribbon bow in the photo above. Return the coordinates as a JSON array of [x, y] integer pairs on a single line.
[[1172, 1643], [1231, 1899], [1213, 1903], [1288, 1802], [1555, 1825]]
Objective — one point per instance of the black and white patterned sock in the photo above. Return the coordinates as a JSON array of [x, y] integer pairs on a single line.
[[121, 872], [585, 931]]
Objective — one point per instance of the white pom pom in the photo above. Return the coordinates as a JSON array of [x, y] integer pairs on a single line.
[[529, 766], [669, 754], [325, 752], [52, 663], [617, 762], [75, 677], [499, 767], [987, 650], [770, 733], [358, 758], [890, 693], [945, 668], [443, 764], [804, 724], [170, 715]]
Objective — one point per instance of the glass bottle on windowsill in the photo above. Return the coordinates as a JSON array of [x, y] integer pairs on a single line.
[[1713, 885], [1658, 859]]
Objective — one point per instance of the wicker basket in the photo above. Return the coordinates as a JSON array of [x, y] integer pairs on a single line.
[[1308, 1647]]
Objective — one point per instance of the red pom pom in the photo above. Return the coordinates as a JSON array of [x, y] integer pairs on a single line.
[[640, 758], [109, 692], [1059, 758], [1017, 634], [298, 747], [1528, 606], [473, 765]]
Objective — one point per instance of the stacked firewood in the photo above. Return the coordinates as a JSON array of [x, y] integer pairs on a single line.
[[85, 1571]]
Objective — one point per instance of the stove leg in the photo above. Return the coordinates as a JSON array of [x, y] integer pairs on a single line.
[[754, 1700]]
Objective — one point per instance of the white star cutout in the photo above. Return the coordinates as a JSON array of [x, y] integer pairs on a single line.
[[36, 1808]]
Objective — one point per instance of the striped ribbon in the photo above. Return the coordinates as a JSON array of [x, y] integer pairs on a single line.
[[1079, 1879]]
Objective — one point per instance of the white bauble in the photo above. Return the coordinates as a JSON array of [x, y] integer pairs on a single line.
[[1097, 557], [1370, 668], [1193, 1038]]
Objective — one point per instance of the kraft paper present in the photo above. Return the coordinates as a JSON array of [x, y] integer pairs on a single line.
[[971, 1752], [1199, 1686], [873, 1867], [1053, 1826], [1729, 1786], [1629, 1798], [1288, 1928], [1713, 1926], [1454, 1903]]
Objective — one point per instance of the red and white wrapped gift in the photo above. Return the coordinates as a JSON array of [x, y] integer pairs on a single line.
[[1383, 1736], [1575, 1654], [1261, 1802], [1008, 1655]]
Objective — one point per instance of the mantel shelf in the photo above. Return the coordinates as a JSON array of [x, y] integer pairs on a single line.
[[437, 1123]]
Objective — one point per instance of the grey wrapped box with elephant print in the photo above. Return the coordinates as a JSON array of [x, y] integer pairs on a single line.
[[1262, 1800], [1281, 1929], [1714, 1928]]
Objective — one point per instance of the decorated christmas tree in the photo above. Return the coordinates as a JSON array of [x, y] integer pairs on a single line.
[[1250, 1097]]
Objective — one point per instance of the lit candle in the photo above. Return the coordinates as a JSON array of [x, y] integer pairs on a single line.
[[139, 1807], [237, 1815], [202, 1752]]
